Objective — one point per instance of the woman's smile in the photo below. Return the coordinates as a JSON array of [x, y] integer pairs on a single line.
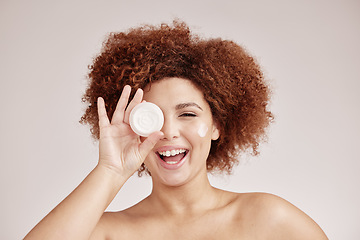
[[172, 157]]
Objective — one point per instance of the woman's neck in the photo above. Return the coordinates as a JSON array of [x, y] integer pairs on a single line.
[[191, 198]]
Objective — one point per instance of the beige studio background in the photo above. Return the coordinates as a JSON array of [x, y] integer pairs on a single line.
[[308, 49]]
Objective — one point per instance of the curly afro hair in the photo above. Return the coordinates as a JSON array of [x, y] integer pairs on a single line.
[[230, 79]]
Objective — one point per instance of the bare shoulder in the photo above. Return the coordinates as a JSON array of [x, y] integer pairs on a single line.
[[111, 223], [103, 229], [276, 218]]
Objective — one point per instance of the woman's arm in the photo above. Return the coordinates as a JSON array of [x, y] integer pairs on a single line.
[[120, 154], [77, 215]]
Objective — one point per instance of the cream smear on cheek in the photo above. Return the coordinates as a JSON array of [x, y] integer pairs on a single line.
[[202, 130]]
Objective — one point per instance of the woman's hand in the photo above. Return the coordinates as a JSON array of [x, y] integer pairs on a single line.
[[120, 149], [121, 152]]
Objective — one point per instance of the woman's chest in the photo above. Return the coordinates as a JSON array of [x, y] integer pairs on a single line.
[[209, 226]]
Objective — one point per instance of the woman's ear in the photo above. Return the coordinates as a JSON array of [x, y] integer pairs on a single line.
[[215, 133]]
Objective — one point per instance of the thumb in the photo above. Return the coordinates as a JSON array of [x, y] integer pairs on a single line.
[[149, 143]]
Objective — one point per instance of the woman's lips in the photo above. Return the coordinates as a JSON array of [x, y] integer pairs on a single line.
[[172, 158]]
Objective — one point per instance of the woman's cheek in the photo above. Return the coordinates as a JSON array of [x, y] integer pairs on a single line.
[[197, 129], [202, 130]]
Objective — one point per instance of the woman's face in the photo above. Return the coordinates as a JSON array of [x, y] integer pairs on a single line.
[[188, 130]]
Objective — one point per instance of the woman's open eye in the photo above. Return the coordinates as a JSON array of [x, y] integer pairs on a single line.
[[188, 115]]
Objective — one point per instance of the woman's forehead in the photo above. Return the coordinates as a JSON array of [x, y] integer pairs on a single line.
[[176, 87], [178, 92]]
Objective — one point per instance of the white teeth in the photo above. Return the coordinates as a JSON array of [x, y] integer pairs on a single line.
[[171, 162], [172, 152]]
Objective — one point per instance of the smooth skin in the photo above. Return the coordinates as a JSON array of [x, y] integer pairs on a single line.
[[183, 204]]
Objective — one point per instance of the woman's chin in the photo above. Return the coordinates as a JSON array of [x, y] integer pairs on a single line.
[[174, 179]]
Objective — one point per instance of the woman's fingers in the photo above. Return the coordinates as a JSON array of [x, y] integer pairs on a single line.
[[123, 109], [103, 118], [149, 143], [118, 116], [135, 101]]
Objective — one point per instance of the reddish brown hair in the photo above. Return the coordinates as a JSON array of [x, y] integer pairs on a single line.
[[231, 80]]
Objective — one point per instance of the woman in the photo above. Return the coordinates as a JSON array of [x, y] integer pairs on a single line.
[[214, 100]]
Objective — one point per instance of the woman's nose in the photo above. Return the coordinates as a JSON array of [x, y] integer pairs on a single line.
[[170, 129]]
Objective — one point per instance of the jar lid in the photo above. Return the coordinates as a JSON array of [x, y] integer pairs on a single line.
[[146, 118]]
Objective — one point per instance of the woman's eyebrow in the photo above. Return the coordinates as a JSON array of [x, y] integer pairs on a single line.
[[188, 104]]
